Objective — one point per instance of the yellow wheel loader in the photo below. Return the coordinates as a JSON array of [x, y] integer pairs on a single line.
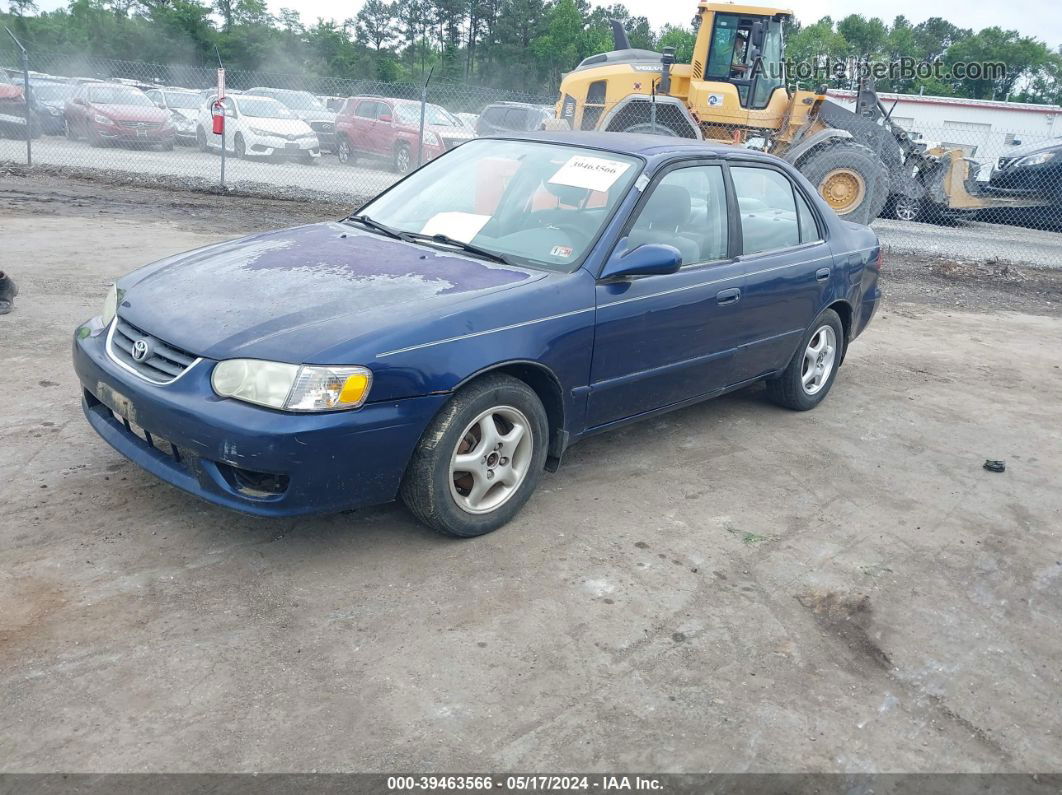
[[735, 91]]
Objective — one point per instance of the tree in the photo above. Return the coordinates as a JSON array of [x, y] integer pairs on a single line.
[[375, 24]]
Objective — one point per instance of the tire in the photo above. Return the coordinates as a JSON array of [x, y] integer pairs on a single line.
[[906, 208], [850, 178], [647, 128], [443, 496], [403, 159], [94, 138], [71, 135], [239, 148], [167, 147], [201, 139], [344, 151], [791, 389]]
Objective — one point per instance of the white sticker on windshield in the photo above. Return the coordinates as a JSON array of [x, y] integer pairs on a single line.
[[641, 183], [459, 226], [592, 173]]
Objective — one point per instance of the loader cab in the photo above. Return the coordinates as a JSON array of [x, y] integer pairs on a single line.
[[743, 49]]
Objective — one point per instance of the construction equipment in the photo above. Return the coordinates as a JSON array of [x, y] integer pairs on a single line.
[[735, 91]]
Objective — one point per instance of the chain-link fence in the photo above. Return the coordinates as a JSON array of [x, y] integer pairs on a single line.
[[960, 179]]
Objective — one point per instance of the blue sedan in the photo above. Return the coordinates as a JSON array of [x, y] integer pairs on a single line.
[[450, 340]]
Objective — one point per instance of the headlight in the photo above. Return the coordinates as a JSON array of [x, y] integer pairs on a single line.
[[110, 306], [268, 133], [430, 138], [99, 118], [292, 387], [1036, 160], [54, 110]]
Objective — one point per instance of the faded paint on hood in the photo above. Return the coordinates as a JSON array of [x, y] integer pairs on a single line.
[[284, 295], [133, 113]]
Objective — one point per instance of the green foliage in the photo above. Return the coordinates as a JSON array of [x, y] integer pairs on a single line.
[[521, 45]]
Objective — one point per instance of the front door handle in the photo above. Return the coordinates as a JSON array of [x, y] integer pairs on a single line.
[[822, 274], [731, 296]]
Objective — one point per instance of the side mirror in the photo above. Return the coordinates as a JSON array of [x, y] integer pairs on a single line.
[[386, 118], [757, 35], [650, 259]]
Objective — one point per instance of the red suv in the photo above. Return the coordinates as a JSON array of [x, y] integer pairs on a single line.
[[103, 112], [389, 128]]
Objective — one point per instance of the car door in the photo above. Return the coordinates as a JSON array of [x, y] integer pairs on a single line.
[[787, 266], [361, 125], [661, 340], [383, 129]]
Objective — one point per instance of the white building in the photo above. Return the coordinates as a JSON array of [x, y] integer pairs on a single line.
[[984, 129]]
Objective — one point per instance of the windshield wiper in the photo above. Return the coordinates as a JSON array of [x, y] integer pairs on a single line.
[[376, 226], [471, 248]]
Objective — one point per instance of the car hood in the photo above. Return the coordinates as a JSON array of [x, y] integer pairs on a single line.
[[450, 132], [1033, 148], [315, 115], [130, 112], [282, 126], [186, 113], [292, 294]]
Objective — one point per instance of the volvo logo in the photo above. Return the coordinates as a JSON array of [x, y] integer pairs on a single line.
[[141, 349]]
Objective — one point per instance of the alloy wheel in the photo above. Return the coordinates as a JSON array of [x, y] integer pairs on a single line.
[[819, 359], [491, 459]]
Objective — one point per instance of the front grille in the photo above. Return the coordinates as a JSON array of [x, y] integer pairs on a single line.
[[141, 125], [450, 143], [162, 364]]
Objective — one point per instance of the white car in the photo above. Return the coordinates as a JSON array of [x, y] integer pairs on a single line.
[[258, 127], [183, 105]]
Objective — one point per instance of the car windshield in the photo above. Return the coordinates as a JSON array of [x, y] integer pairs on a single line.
[[433, 114], [112, 95], [176, 99], [51, 92], [263, 108], [536, 203], [300, 100]]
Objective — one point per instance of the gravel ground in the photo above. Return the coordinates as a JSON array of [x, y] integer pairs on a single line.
[[328, 180], [731, 587]]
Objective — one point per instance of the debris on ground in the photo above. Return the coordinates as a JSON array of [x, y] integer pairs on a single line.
[[993, 465]]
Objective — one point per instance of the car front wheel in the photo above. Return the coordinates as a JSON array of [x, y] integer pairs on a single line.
[[807, 379], [480, 459]]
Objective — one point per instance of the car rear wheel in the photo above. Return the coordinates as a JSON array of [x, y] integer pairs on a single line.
[[807, 379], [907, 208], [344, 152], [403, 159], [480, 459]]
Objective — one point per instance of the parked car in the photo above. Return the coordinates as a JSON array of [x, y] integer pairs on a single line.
[[468, 119], [1030, 170], [13, 110], [258, 127], [48, 100], [505, 117], [331, 102], [113, 113], [183, 106], [390, 128], [451, 339], [308, 108]]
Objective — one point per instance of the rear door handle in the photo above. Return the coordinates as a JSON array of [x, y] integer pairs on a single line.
[[731, 296], [822, 274]]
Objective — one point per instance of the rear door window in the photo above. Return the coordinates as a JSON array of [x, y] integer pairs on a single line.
[[767, 207]]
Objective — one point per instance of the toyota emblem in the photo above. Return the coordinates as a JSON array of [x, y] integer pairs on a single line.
[[140, 350]]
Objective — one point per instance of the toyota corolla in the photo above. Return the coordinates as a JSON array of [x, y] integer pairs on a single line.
[[449, 341]]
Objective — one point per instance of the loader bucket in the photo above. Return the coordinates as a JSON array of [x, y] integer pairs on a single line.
[[949, 185]]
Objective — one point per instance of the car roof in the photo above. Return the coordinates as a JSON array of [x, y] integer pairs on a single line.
[[637, 143]]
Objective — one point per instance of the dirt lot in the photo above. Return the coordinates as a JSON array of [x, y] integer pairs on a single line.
[[731, 587]]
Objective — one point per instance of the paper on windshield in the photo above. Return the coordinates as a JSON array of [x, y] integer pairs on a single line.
[[459, 226], [592, 173]]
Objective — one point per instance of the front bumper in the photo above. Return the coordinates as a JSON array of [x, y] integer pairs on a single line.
[[321, 462], [126, 135], [274, 146]]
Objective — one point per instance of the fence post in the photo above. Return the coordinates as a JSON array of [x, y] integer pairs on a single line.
[[423, 110], [25, 96], [224, 115], [652, 107]]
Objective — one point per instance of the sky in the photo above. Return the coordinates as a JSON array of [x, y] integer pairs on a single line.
[[1039, 18]]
